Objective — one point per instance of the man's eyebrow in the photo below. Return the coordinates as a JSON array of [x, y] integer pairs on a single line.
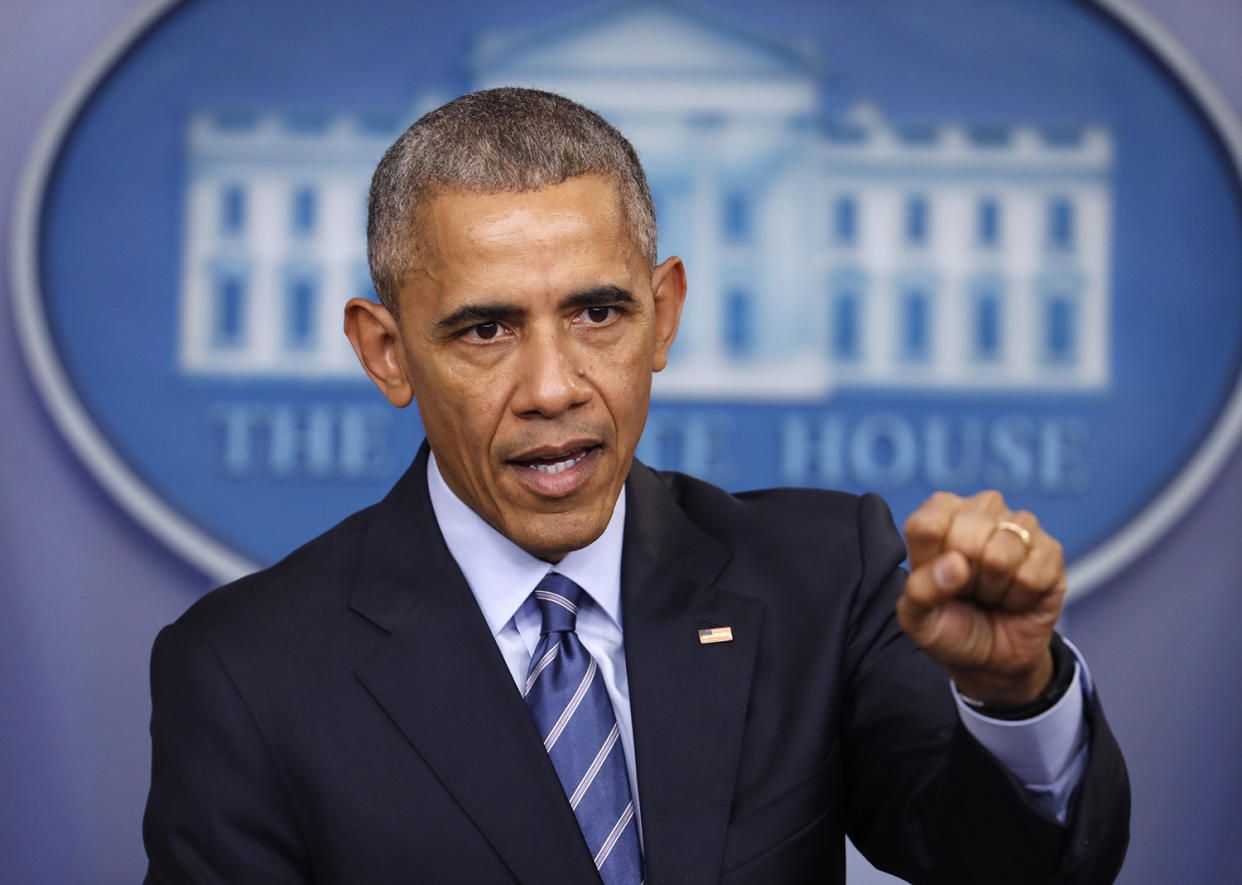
[[473, 314], [499, 312], [598, 296]]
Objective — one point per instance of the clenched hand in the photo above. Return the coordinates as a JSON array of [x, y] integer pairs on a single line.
[[985, 590]]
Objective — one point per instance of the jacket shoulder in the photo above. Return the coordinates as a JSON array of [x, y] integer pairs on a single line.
[[785, 517], [317, 576]]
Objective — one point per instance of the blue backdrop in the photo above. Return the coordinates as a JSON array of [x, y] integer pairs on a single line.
[[85, 588]]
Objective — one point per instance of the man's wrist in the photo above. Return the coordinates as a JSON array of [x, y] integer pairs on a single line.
[[1059, 682]]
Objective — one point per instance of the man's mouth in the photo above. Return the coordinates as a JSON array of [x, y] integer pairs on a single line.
[[553, 466], [554, 472]]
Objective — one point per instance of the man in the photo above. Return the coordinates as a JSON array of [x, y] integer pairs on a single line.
[[539, 661]]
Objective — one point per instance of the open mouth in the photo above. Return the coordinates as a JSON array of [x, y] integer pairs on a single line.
[[553, 466], [557, 472]]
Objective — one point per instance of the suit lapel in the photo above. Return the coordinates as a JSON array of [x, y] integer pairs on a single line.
[[688, 700], [443, 682]]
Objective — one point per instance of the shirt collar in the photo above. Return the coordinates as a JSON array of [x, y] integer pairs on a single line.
[[502, 575]]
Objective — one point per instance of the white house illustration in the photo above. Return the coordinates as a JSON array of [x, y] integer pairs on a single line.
[[824, 251]]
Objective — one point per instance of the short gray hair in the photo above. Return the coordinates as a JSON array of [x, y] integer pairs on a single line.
[[495, 141]]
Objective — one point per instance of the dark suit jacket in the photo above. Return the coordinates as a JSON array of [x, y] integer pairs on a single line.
[[346, 716]]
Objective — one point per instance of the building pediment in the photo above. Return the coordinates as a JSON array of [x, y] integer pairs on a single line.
[[653, 37]]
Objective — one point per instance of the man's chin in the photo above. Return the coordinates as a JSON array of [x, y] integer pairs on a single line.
[[549, 536]]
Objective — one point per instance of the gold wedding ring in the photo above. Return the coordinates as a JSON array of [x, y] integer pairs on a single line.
[[1023, 535]]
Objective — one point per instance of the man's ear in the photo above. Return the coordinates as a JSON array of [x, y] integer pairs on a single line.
[[373, 331], [668, 286]]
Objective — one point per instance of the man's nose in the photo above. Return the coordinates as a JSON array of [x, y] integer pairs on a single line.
[[550, 380]]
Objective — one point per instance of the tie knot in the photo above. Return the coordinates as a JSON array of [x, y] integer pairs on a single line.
[[557, 597]]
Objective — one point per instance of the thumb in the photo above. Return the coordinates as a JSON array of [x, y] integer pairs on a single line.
[[928, 588]]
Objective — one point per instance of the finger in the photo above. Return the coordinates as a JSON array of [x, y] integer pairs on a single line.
[[932, 614], [926, 527], [931, 585], [1004, 552], [989, 502], [1040, 580], [971, 527]]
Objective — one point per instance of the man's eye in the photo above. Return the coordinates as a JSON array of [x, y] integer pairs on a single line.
[[486, 331], [599, 314]]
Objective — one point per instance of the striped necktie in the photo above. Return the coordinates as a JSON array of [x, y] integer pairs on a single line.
[[566, 696]]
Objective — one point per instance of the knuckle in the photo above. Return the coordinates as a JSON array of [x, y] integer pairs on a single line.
[[989, 498], [942, 500], [927, 522], [1026, 518]]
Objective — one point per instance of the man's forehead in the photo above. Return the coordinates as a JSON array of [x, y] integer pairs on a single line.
[[596, 198], [579, 213], [569, 235], [494, 223]]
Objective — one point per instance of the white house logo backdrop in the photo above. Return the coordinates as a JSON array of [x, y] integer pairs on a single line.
[[947, 245]]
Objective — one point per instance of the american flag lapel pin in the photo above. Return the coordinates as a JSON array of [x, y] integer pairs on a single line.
[[709, 635]]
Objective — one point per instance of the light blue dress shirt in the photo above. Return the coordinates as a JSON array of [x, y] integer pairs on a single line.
[[1047, 753]]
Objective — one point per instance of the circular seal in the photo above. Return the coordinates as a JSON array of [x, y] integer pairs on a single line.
[[980, 245]]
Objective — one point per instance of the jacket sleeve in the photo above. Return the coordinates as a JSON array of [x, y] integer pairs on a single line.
[[926, 801], [217, 811]]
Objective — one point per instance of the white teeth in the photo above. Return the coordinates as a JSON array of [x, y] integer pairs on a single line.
[[559, 466]]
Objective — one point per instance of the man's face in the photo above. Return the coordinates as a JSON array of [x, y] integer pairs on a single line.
[[528, 339]]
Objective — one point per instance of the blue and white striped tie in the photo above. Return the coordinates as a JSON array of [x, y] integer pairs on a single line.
[[566, 696]]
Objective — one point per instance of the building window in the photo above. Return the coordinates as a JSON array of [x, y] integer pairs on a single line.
[[987, 333], [737, 219], [228, 314], [1061, 224], [915, 326], [916, 221], [301, 308], [303, 210], [739, 323], [845, 318], [1061, 328], [845, 221], [232, 209], [988, 223]]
